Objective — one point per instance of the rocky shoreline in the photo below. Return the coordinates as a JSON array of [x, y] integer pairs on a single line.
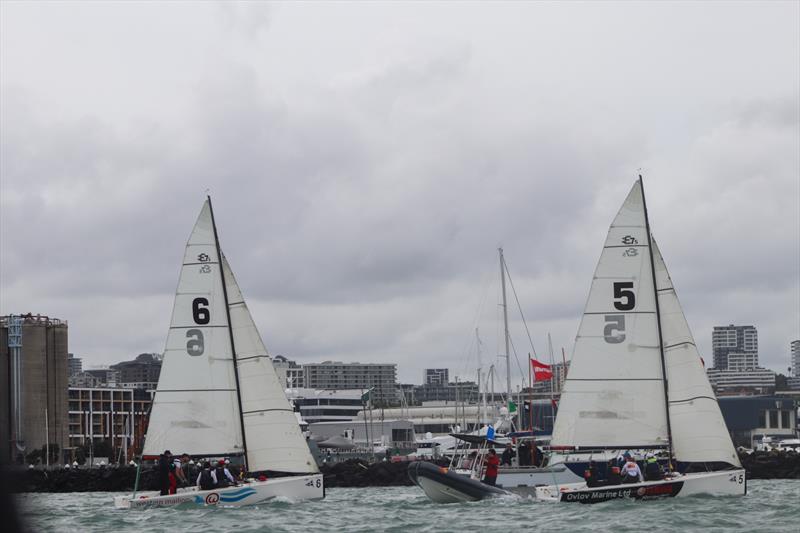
[[351, 473]]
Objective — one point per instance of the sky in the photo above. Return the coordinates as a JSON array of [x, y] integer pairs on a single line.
[[367, 160]]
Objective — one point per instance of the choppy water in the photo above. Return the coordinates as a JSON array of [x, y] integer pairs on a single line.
[[772, 506]]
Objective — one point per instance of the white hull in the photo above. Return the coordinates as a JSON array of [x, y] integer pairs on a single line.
[[294, 488], [723, 483]]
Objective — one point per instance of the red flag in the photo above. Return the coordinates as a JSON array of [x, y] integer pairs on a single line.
[[541, 371]]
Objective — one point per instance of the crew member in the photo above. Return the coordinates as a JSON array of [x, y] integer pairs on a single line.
[[164, 460], [223, 476], [173, 478], [631, 473], [492, 462], [652, 470], [205, 479], [613, 475], [508, 454], [590, 475]]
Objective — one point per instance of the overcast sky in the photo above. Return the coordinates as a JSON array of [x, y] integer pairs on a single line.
[[367, 160]]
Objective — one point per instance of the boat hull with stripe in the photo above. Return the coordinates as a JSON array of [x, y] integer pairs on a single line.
[[294, 488], [722, 483]]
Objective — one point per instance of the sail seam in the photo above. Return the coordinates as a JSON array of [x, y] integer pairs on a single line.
[[196, 326], [694, 398], [264, 411], [615, 312], [205, 263], [625, 246]]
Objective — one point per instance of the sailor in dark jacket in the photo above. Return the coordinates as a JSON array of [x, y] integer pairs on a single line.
[[508, 454], [164, 460]]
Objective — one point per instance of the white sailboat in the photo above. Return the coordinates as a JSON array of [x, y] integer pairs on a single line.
[[636, 381], [218, 394]]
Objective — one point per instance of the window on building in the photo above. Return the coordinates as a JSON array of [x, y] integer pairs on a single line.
[[785, 419], [762, 419], [773, 419]]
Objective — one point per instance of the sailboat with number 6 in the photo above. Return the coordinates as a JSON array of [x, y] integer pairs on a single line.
[[218, 394], [637, 382]]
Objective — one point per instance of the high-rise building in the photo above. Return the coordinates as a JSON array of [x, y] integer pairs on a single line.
[[735, 347], [795, 358], [33, 381], [335, 375], [436, 376], [75, 364]]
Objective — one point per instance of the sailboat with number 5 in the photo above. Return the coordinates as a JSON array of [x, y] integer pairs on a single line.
[[637, 382], [218, 394]]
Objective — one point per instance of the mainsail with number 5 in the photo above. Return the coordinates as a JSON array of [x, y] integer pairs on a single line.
[[636, 380]]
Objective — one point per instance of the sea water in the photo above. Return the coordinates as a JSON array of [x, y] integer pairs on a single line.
[[770, 506]]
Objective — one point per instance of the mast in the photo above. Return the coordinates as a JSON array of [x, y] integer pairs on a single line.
[[505, 323], [658, 323], [230, 333]]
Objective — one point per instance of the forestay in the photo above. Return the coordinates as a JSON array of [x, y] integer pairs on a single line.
[[273, 436], [614, 393], [195, 409], [699, 433]]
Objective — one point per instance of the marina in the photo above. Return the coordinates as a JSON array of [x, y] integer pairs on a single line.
[[449, 223]]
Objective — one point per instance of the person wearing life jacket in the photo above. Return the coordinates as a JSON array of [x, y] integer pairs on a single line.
[[652, 470], [223, 476], [173, 478], [492, 462], [590, 475], [205, 479], [631, 473], [613, 475]]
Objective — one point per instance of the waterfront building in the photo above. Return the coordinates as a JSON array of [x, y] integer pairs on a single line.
[[735, 347], [462, 391], [749, 418], [141, 373], [290, 374], [116, 417], [83, 379], [104, 377], [335, 375], [74, 364], [326, 405], [33, 381], [794, 358], [436, 376], [741, 382]]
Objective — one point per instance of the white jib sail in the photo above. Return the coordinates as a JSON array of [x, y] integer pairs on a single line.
[[195, 409], [614, 394], [273, 436], [699, 433]]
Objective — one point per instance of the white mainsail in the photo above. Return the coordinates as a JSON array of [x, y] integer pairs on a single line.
[[699, 433], [195, 409], [273, 436], [614, 395]]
